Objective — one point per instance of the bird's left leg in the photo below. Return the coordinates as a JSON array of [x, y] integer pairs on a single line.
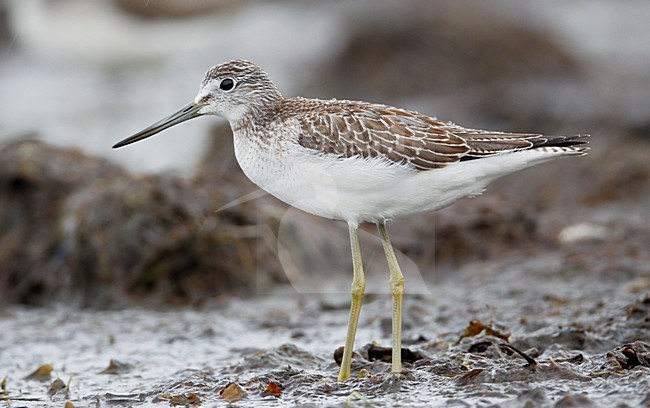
[[358, 288]]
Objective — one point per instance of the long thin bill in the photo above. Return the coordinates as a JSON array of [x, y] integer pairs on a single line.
[[187, 112]]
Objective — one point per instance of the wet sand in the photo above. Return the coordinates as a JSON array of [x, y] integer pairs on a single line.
[[587, 331]]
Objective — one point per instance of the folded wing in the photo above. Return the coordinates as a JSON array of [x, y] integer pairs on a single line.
[[349, 129]]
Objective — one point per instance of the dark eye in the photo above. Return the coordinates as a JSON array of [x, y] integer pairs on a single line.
[[227, 84]]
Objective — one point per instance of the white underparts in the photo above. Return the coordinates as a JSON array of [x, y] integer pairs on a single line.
[[359, 190]]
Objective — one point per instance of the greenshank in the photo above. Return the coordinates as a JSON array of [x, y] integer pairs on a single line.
[[357, 162]]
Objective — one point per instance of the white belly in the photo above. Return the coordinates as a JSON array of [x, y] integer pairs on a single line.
[[359, 190]]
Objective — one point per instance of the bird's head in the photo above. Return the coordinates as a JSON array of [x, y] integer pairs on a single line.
[[235, 90]]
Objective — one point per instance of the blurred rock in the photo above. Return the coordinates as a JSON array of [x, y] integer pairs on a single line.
[[158, 237], [469, 231], [462, 61], [174, 8], [437, 48], [79, 229], [620, 172], [35, 179]]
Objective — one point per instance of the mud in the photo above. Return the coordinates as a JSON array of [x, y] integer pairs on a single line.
[[587, 332]]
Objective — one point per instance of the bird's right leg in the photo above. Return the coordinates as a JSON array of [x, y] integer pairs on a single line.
[[358, 287], [396, 284]]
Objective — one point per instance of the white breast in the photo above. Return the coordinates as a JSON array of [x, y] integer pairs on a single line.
[[351, 189]]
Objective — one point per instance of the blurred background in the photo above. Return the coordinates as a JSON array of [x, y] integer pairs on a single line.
[[173, 221]]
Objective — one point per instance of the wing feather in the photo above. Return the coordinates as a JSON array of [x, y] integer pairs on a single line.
[[348, 129]]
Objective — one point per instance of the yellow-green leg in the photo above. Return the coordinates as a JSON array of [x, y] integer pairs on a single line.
[[358, 287], [396, 284]]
